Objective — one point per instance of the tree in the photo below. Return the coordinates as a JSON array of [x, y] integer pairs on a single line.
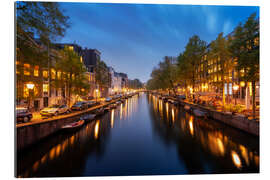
[[219, 51], [193, 53], [135, 84], [73, 73], [103, 77], [245, 48], [183, 73], [44, 19], [164, 76]]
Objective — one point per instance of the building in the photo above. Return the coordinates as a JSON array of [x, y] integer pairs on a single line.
[[90, 58], [211, 72]]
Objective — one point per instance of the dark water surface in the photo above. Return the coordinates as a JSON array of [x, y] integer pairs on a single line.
[[143, 136]]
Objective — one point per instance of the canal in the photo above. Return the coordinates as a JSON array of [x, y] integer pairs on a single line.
[[143, 136]]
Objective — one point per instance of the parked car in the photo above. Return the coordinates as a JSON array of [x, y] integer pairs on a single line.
[[181, 97], [23, 114], [91, 103], [80, 105], [108, 99], [54, 110]]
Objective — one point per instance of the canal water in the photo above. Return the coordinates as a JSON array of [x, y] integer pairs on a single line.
[[143, 136]]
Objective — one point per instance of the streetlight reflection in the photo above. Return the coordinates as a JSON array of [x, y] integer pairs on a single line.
[[236, 159]]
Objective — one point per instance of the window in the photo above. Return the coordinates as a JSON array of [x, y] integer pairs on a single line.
[[45, 88], [17, 71], [59, 75], [53, 73], [45, 74], [26, 69], [36, 71], [70, 48]]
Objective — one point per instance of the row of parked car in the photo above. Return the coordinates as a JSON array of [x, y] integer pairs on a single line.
[[24, 115]]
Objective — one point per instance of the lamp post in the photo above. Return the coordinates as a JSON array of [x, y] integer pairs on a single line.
[[96, 94], [30, 86], [235, 88]]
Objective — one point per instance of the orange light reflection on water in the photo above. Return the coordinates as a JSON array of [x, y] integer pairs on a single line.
[[236, 159], [96, 129]]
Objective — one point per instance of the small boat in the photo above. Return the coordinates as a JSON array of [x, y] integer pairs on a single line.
[[73, 126], [187, 108], [88, 117], [99, 112], [171, 101], [118, 102], [199, 113], [122, 100], [112, 106], [107, 109]]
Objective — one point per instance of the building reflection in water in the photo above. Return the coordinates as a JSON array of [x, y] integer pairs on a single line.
[[215, 138], [190, 123], [112, 118], [173, 115]]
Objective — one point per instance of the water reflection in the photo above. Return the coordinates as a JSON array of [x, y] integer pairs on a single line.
[[225, 146], [147, 135], [236, 159]]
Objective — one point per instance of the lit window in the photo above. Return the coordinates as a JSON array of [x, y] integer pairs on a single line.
[[25, 91], [81, 59], [45, 74], [59, 75], [219, 77], [256, 41], [73, 77], [45, 87], [215, 79], [17, 71], [26, 69], [53, 73], [36, 72], [70, 48]]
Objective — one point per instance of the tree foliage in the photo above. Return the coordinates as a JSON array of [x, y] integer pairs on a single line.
[[219, 51], [73, 73], [245, 48], [103, 77]]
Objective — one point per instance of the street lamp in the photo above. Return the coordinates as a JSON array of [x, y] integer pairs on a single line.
[[30, 87], [96, 94], [235, 88]]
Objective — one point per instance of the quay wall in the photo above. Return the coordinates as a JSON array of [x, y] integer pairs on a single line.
[[237, 121], [29, 133]]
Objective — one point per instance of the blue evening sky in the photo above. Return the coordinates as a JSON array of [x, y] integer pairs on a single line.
[[133, 38]]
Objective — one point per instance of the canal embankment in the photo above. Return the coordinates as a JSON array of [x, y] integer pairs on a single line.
[[30, 133], [234, 120]]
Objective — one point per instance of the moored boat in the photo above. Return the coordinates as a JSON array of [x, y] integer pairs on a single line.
[[112, 106], [187, 107], [199, 113], [99, 112], [73, 126], [88, 117]]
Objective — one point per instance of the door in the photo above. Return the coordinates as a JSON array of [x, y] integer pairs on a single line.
[[45, 101]]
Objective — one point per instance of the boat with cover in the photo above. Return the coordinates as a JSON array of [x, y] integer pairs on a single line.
[[73, 126]]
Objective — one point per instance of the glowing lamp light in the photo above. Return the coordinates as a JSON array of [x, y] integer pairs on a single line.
[[30, 86], [96, 90], [235, 87], [242, 83]]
